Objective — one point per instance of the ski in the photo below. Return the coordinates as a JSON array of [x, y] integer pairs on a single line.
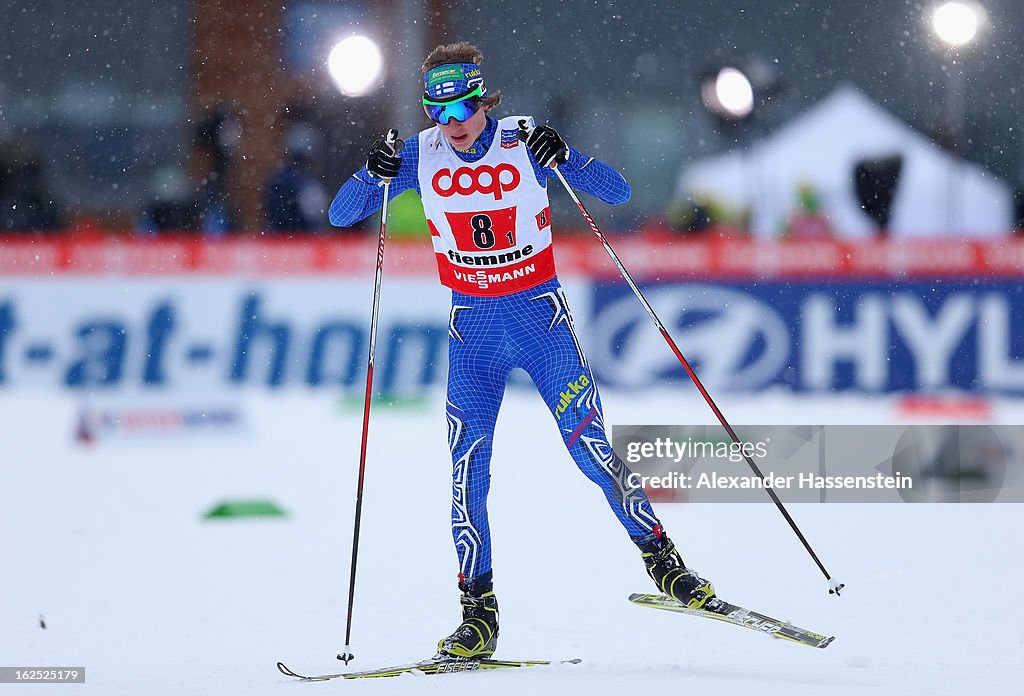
[[721, 610], [435, 665]]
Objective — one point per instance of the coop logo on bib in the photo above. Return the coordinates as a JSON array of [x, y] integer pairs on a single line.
[[484, 179]]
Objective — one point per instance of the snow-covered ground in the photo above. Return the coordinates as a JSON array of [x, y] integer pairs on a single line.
[[108, 543]]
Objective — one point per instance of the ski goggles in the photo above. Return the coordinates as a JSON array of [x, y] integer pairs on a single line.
[[461, 109]]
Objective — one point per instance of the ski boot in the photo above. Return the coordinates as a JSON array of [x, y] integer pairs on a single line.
[[477, 635], [671, 575]]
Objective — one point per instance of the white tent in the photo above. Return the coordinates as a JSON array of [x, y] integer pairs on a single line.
[[937, 193]]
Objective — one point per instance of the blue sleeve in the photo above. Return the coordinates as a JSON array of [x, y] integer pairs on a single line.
[[362, 194], [589, 175]]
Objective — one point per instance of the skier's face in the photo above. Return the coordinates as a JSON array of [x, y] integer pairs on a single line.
[[462, 134]]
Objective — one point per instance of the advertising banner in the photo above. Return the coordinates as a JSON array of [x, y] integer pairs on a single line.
[[105, 316], [213, 334], [865, 336]]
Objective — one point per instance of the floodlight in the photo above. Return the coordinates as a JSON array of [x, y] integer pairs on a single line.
[[355, 64], [728, 94], [956, 23]]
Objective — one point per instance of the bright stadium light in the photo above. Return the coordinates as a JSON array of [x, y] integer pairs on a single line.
[[355, 64], [728, 94], [957, 23]]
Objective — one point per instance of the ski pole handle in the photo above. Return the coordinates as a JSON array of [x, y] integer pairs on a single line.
[[524, 134], [396, 144], [524, 130], [394, 141]]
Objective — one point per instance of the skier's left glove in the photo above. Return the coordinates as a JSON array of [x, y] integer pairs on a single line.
[[546, 144]]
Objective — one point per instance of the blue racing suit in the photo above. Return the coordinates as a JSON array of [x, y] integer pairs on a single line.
[[489, 336]]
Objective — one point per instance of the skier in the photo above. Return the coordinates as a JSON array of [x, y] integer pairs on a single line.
[[485, 198]]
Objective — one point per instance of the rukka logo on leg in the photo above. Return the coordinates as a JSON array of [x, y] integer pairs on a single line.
[[572, 390]]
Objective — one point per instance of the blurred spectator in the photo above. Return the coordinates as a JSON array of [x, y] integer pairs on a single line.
[[702, 214], [27, 204], [808, 221], [173, 206], [876, 182], [295, 199], [690, 216], [217, 140]]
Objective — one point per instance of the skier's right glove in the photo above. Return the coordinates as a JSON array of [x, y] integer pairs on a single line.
[[382, 161]]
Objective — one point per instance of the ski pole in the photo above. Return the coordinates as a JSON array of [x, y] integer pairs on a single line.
[[346, 654], [834, 586]]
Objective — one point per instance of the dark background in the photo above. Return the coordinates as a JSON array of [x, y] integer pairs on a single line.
[[108, 92]]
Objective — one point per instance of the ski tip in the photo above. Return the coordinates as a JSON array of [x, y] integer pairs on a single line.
[[283, 669]]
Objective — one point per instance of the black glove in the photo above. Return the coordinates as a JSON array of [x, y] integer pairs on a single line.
[[544, 143], [382, 161]]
